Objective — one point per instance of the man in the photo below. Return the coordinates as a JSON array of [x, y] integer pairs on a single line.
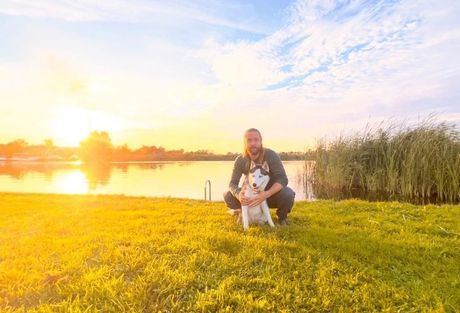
[[277, 193]]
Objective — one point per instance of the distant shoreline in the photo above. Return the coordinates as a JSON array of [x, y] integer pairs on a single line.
[[35, 161]]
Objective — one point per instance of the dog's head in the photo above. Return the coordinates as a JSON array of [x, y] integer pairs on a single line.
[[258, 176]]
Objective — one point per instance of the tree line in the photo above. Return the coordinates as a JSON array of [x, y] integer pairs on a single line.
[[98, 147]]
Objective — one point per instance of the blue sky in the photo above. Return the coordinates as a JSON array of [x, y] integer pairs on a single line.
[[195, 75]]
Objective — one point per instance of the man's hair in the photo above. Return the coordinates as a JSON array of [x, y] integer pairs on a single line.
[[246, 150]]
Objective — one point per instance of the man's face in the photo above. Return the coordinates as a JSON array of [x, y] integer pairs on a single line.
[[253, 142]]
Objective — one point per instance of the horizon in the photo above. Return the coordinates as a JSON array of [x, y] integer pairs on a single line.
[[209, 151], [195, 76]]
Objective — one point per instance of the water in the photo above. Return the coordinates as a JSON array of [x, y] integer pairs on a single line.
[[183, 179]]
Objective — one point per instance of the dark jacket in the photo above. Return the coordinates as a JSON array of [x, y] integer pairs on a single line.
[[242, 164]]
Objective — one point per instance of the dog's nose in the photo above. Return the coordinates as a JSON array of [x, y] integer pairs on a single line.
[[254, 184]]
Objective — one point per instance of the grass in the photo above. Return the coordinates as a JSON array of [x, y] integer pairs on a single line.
[[419, 163], [65, 253]]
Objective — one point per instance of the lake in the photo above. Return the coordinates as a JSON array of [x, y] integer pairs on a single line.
[[183, 179]]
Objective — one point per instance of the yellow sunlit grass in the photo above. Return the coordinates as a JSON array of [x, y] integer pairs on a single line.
[[64, 253]]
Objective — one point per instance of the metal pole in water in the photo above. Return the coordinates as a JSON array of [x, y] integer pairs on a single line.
[[206, 183]]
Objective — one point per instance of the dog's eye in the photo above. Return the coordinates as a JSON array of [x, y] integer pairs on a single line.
[[260, 176]]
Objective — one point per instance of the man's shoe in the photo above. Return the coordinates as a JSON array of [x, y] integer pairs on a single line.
[[283, 222]]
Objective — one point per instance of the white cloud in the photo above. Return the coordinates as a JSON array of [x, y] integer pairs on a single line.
[[334, 65], [143, 11], [337, 59]]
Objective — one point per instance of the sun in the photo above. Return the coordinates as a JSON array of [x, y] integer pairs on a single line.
[[70, 126]]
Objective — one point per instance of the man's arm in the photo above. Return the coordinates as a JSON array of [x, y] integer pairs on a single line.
[[236, 176], [277, 168], [273, 189]]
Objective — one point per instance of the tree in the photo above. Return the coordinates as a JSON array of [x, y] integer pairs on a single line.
[[96, 148], [48, 143], [13, 147]]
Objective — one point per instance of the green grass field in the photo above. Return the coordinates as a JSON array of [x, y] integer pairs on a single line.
[[126, 254]]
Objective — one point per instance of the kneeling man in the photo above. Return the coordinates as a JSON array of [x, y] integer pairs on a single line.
[[277, 193]]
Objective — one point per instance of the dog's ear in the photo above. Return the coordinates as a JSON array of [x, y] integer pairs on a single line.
[[252, 165], [265, 166]]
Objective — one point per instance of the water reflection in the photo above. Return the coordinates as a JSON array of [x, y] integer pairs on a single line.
[[71, 182], [176, 179], [96, 175]]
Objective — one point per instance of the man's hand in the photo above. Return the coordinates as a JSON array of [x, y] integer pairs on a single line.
[[241, 196], [257, 199]]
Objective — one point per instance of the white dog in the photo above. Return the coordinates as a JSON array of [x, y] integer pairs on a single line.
[[256, 181]]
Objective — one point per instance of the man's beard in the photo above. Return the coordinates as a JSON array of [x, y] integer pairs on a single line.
[[254, 150]]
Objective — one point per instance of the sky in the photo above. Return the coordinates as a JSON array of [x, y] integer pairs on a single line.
[[196, 74]]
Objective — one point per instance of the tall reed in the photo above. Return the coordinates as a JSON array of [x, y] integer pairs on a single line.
[[421, 162]]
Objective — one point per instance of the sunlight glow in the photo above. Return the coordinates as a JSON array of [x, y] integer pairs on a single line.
[[71, 182], [70, 126]]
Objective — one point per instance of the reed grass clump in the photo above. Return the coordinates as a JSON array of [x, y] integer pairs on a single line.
[[420, 163]]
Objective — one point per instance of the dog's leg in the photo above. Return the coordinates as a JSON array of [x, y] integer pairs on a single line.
[[266, 211], [245, 216]]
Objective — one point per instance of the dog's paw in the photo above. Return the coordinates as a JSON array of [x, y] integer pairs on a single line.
[[233, 212]]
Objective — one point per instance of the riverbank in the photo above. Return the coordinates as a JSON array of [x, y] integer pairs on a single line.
[[117, 253]]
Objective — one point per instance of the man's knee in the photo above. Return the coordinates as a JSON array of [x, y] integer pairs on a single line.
[[231, 202], [287, 196], [228, 196], [287, 192]]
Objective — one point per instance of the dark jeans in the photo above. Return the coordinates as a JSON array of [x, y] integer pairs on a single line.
[[283, 201]]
